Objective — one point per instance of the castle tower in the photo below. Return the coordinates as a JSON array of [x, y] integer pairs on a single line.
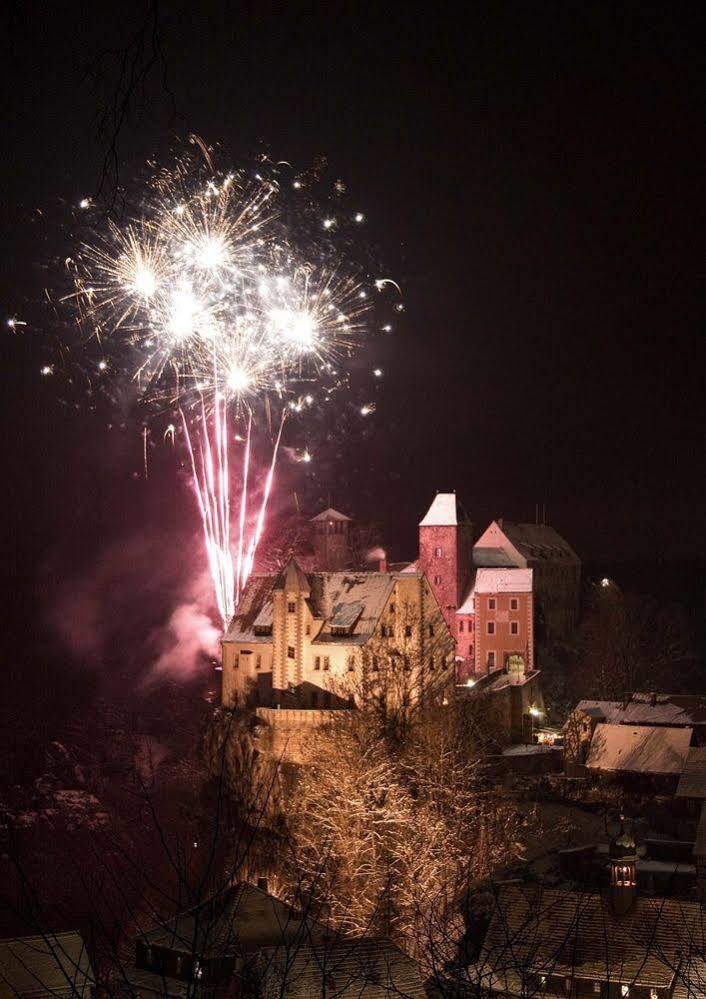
[[289, 593], [445, 554], [623, 870], [331, 540]]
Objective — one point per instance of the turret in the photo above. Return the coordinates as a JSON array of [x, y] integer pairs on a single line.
[[331, 540], [623, 869], [444, 554]]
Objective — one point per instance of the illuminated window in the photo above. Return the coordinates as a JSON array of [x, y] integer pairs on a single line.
[[654, 994], [542, 979], [491, 627], [438, 552], [514, 628], [597, 987], [291, 607], [327, 662], [317, 662], [514, 603], [625, 990], [491, 603], [291, 654]]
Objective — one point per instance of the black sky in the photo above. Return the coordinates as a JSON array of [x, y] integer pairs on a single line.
[[534, 173]]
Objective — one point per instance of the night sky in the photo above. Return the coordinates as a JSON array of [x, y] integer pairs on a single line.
[[533, 176]]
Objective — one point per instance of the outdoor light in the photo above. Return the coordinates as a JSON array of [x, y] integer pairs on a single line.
[[605, 582], [535, 712]]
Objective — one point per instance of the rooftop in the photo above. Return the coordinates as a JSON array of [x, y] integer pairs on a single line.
[[53, 964], [329, 514], [649, 709], [692, 783], [347, 603], [239, 920], [642, 749], [658, 943], [442, 512]]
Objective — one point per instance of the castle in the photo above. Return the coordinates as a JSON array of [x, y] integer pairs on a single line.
[[461, 611]]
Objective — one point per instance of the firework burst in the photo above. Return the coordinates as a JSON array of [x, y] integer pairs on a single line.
[[223, 306]]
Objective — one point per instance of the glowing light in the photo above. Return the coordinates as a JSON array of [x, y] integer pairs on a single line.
[[84, 203], [377, 372], [48, 369], [367, 409], [605, 582], [102, 365], [238, 380], [329, 223], [359, 217], [535, 712], [470, 682], [144, 283], [297, 328], [387, 328]]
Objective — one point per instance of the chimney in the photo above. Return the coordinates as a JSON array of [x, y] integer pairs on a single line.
[[262, 884], [623, 869]]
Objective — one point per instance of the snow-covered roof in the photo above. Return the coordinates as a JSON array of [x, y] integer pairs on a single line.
[[649, 709], [348, 604], [692, 783], [539, 541], [329, 514], [496, 581], [53, 964], [643, 749], [503, 581], [442, 512]]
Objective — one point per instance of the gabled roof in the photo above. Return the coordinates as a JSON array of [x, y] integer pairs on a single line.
[[238, 920], [292, 578], [507, 543], [692, 783], [254, 611], [355, 968], [642, 749], [352, 601], [54, 964], [649, 709], [442, 512], [571, 935], [503, 581], [539, 542], [348, 604], [495, 581], [329, 514]]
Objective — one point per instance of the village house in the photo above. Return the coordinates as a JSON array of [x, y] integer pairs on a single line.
[[246, 941], [652, 709], [53, 964], [556, 942], [318, 640], [556, 569]]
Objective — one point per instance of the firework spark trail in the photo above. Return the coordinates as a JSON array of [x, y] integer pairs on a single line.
[[240, 582], [212, 489], [257, 533]]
